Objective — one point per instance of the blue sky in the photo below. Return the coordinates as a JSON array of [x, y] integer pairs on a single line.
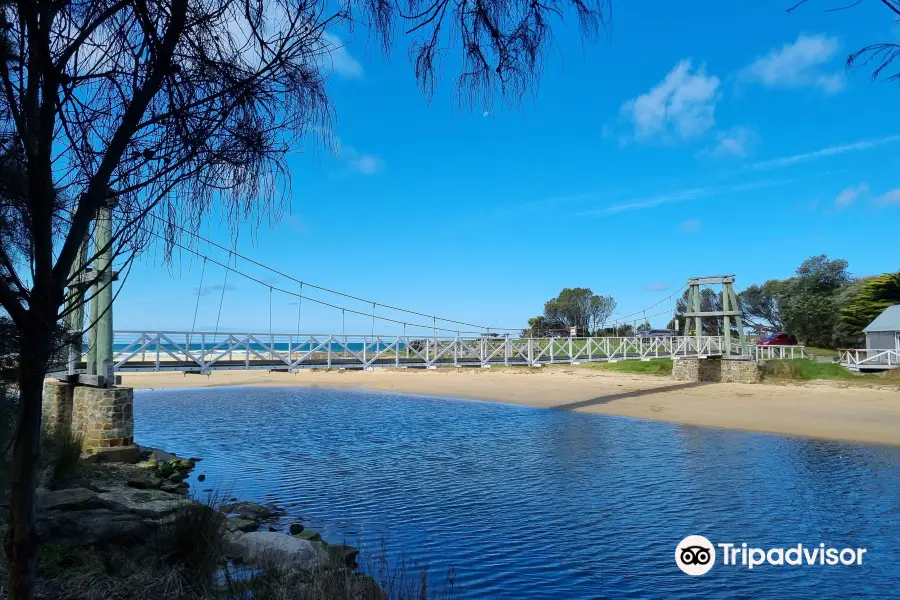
[[694, 139]]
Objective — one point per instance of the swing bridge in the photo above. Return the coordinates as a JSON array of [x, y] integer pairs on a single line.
[[444, 344], [201, 352]]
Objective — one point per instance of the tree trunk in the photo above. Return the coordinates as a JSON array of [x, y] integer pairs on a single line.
[[20, 543]]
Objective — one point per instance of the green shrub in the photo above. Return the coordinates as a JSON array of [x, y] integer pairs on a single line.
[[195, 540], [60, 453]]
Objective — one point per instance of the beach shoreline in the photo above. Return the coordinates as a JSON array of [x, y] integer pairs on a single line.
[[816, 409]]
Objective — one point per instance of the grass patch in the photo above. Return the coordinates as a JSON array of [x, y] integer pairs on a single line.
[[655, 366], [830, 353], [809, 370]]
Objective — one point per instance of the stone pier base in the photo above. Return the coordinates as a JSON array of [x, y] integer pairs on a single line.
[[721, 370], [101, 417]]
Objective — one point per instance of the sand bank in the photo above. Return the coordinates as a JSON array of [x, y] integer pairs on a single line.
[[852, 413]]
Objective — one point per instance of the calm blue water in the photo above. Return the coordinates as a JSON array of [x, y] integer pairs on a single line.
[[530, 503]]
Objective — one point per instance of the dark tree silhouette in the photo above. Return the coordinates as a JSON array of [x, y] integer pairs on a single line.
[[172, 108]]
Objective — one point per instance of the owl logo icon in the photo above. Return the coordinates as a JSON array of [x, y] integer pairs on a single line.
[[695, 555]]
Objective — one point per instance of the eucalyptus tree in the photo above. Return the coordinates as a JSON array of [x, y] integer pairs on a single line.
[[168, 109]]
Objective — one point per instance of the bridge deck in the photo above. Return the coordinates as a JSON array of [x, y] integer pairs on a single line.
[[201, 352]]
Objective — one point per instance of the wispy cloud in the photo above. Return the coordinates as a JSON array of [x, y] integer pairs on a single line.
[[737, 141], [823, 152], [891, 198], [544, 204], [680, 107], [361, 162], [850, 195], [656, 286], [691, 226], [799, 64], [681, 196], [210, 289], [341, 60]]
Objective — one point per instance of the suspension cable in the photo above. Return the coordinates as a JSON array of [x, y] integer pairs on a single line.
[[222, 297], [199, 292], [299, 308], [317, 287]]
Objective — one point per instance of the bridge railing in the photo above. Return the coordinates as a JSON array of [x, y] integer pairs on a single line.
[[870, 358], [203, 351], [779, 352]]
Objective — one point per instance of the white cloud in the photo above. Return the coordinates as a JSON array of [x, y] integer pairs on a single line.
[[800, 64], [681, 106], [361, 162], [891, 198], [828, 151], [691, 226], [848, 196], [656, 286], [341, 60], [737, 141], [486, 114]]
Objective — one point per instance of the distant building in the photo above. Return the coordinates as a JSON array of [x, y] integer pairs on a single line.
[[884, 332]]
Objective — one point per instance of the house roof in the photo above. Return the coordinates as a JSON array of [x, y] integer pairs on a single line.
[[889, 320]]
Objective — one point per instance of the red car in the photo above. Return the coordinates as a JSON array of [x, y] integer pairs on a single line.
[[777, 339]]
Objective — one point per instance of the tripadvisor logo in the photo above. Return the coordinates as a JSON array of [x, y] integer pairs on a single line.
[[696, 555]]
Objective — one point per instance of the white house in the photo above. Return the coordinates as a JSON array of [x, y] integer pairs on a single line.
[[884, 332]]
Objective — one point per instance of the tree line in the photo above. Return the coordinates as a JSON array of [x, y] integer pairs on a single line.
[[822, 304], [578, 308]]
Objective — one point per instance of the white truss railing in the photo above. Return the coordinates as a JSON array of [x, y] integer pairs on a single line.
[[870, 359], [205, 351], [779, 352]]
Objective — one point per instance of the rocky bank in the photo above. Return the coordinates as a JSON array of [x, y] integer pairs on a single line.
[[113, 504]]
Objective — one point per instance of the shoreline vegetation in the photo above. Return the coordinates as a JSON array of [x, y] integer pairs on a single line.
[[816, 400], [123, 531]]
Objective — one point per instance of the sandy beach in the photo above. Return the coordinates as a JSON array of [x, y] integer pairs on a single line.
[[853, 413]]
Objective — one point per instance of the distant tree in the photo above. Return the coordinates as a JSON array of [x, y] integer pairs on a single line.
[[807, 300], [602, 307], [541, 326], [860, 302], [710, 301], [760, 305], [645, 326], [580, 308]]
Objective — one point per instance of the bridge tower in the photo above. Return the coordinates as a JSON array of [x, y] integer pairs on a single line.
[[93, 283], [730, 308]]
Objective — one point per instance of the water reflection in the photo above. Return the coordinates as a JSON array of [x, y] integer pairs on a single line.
[[529, 503]]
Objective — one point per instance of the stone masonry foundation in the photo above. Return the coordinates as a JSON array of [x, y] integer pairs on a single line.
[[720, 370], [100, 417]]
